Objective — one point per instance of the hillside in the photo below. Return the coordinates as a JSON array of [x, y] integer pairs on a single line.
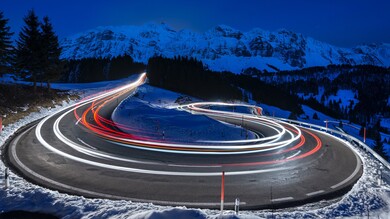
[[221, 48]]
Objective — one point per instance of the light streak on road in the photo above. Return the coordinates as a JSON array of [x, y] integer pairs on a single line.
[[284, 138]]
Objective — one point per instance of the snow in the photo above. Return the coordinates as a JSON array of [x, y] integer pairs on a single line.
[[95, 86], [321, 117], [385, 123], [321, 91], [159, 97], [368, 195], [151, 114], [350, 128], [239, 64], [346, 96], [171, 213], [274, 111], [220, 48]]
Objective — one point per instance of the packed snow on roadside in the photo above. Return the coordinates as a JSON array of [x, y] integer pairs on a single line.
[[368, 195]]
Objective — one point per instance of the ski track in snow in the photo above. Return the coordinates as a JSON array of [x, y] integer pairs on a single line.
[[366, 195]]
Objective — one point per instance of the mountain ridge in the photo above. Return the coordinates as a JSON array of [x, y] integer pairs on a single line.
[[221, 48]]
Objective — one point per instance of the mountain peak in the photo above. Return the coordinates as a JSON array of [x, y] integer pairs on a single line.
[[225, 31], [222, 48], [162, 26]]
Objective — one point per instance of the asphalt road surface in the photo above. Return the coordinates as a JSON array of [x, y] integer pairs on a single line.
[[72, 153]]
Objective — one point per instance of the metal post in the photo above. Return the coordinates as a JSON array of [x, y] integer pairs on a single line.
[[222, 191], [1, 124], [326, 122], [6, 178], [272, 202], [242, 123], [6, 172], [364, 135], [6, 185], [237, 206]]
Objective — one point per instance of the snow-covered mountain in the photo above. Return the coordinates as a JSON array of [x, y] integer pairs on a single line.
[[220, 48]]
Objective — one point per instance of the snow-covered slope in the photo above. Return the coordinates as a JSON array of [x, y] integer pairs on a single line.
[[220, 48], [156, 108]]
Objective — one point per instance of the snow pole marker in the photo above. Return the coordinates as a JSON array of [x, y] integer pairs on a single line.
[[237, 206], [6, 178], [364, 135], [326, 125], [222, 190]]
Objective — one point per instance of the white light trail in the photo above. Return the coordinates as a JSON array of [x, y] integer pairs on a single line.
[[282, 137]]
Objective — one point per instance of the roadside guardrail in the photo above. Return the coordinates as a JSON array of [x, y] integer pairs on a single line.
[[341, 134]]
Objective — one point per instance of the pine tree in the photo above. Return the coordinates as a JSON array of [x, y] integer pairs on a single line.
[[28, 51], [51, 51], [5, 45]]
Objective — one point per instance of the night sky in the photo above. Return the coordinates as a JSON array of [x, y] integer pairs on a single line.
[[344, 23]]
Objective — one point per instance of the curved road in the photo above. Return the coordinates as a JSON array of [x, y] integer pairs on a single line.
[[81, 151]]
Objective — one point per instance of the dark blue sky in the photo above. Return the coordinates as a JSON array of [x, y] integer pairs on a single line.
[[340, 22]]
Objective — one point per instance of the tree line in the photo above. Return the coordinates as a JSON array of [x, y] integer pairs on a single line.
[[189, 76], [36, 56], [370, 85], [6, 48], [100, 69]]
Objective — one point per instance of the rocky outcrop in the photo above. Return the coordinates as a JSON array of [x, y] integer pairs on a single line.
[[221, 48]]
